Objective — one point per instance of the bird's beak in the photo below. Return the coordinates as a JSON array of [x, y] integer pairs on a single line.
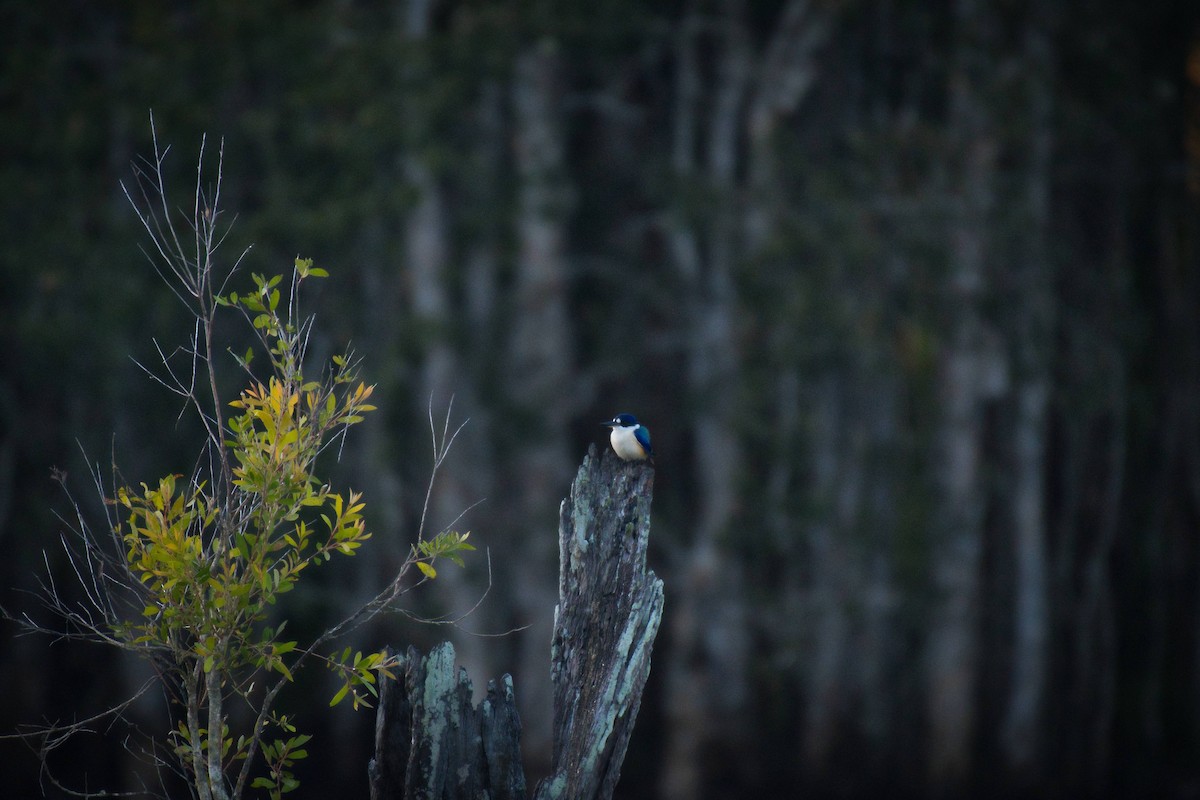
[[607, 424]]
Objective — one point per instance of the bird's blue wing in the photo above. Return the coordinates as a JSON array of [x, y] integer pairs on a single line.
[[643, 437]]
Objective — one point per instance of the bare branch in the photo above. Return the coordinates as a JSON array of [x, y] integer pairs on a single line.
[[440, 450]]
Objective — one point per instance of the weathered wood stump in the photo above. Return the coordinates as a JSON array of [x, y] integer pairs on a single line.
[[430, 742]]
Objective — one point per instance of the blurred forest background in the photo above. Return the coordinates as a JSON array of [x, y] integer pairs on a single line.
[[906, 291]]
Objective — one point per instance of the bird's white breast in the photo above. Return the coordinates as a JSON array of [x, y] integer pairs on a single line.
[[626, 444]]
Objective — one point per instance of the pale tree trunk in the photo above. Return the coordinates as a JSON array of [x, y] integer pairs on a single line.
[[480, 286], [1021, 726], [446, 388], [952, 646], [781, 81], [850, 608], [387, 263], [539, 369], [426, 245], [749, 94], [826, 702], [971, 372], [446, 391], [424, 262], [705, 663], [468, 476], [382, 307]]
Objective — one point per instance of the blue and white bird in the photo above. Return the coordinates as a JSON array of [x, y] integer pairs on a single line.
[[630, 439]]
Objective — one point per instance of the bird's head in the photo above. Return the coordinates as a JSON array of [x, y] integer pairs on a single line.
[[621, 421]]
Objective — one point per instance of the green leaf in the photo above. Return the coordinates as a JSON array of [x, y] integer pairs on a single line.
[[341, 694], [426, 569]]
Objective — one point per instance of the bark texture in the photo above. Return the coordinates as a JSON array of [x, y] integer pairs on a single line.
[[607, 617], [432, 742]]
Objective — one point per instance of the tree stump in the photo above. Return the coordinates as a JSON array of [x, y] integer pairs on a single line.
[[430, 742]]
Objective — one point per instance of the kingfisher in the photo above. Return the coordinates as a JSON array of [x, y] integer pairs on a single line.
[[630, 439]]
